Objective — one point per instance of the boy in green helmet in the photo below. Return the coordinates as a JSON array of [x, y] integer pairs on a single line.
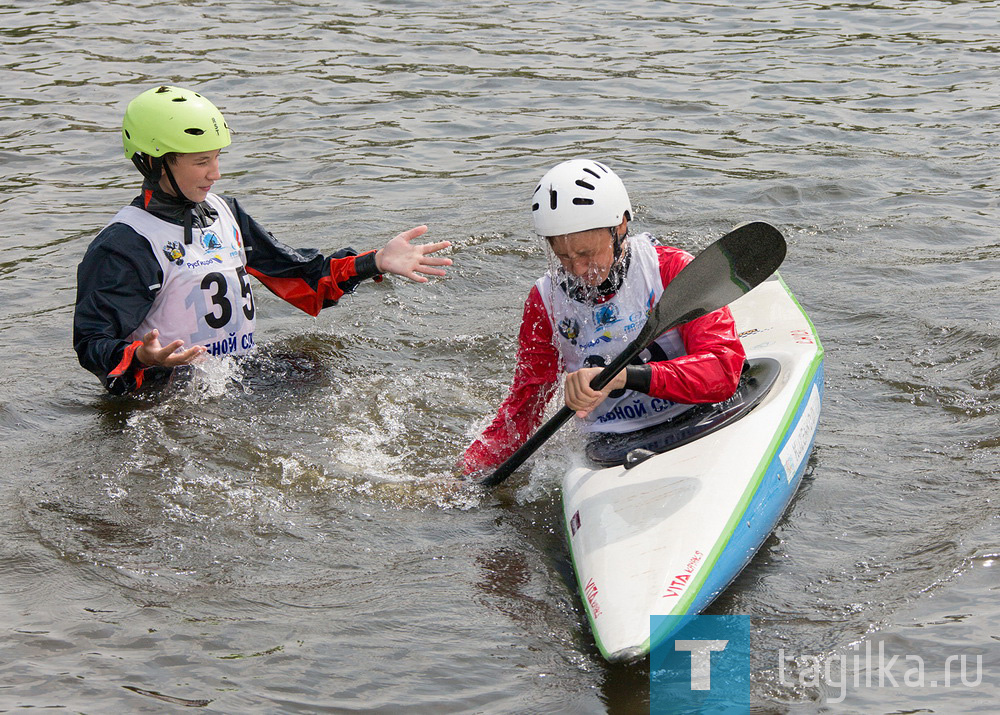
[[166, 282]]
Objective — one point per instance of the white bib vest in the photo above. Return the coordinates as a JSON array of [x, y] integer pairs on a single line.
[[591, 335], [205, 298]]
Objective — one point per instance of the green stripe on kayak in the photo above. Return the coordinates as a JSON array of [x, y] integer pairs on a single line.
[[740, 512], [703, 573]]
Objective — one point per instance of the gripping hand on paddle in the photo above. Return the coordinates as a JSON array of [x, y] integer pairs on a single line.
[[152, 353], [579, 395], [405, 259]]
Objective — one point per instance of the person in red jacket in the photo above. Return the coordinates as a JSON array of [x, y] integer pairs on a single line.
[[167, 281], [588, 307]]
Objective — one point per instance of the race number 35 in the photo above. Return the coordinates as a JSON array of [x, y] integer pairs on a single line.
[[222, 308]]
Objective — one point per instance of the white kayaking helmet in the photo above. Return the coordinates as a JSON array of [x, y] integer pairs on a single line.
[[578, 195]]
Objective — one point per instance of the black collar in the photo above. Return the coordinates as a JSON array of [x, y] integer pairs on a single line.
[[172, 208]]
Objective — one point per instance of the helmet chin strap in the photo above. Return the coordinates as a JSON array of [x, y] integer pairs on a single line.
[[152, 168], [188, 203], [149, 166], [619, 264], [616, 246]]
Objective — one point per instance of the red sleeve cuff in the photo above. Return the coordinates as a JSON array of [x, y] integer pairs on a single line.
[[129, 363]]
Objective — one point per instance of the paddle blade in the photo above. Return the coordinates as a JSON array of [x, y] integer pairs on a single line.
[[736, 263]]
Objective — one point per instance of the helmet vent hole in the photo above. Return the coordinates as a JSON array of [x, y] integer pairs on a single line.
[[535, 207], [127, 135], [553, 199], [195, 131], [592, 173], [584, 184], [583, 202], [179, 99]]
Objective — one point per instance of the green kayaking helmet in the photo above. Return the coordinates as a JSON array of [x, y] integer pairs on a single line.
[[172, 119]]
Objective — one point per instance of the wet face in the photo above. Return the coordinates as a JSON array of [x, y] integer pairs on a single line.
[[587, 255], [195, 174]]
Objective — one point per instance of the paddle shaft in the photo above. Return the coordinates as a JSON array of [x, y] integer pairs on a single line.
[[548, 429], [730, 267]]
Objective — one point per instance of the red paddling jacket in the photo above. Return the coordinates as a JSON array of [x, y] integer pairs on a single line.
[[708, 370]]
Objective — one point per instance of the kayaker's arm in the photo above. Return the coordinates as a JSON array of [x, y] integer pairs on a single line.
[[638, 378], [634, 377], [710, 371], [117, 282], [310, 281], [301, 276], [535, 380]]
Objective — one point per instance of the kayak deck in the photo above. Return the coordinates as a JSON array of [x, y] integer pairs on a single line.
[[632, 448]]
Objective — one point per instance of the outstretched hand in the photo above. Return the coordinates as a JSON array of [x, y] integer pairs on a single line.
[[151, 353], [405, 259], [579, 395]]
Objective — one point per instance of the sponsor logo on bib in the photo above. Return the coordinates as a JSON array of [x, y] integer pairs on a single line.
[[569, 328], [211, 260], [174, 251], [210, 242], [606, 314]]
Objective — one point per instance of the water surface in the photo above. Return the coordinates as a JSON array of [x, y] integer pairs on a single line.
[[286, 534]]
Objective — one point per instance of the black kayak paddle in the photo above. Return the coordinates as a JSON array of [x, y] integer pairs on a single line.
[[736, 263]]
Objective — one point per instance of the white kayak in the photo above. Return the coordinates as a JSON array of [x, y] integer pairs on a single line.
[[668, 534]]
